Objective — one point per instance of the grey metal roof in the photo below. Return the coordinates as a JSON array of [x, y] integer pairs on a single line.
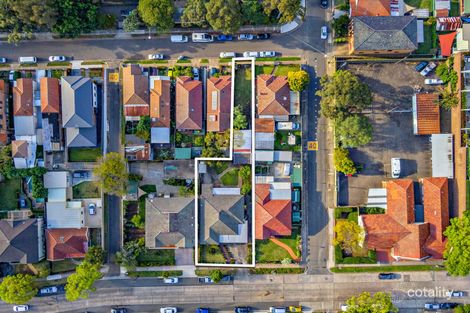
[[77, 102], [385, 33], [24, 125], [81, 137], [19, 241]]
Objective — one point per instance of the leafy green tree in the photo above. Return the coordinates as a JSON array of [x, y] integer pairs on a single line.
[[343, 94], [446, 72], [456, 254], [380, 302], [194, 14], [239, 119], [182, 71], [340, 25], [463, 308], [7, 168], [209, 139], [131, 22], [448, 98], [288, 9], [142, 129], [95, 255], [224, 15], [252, 12], [127, 257], [80, 283], [298, 80], [138, 221], [354, 131], [75, 17], [157, 13], [17, 289], [223, 139], [112, 173], [348, 235], [245, 174], [106, 21], [199, 141], [343, 162], [38, 187], [216, 275]]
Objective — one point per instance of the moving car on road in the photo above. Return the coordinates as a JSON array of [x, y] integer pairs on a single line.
[[21, 308], [171, 280], [324, 32], [155, 56], [245, 37], [267, 54], [168, 310], [56, 58]]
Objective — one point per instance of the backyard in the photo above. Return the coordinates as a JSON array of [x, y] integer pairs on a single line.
[[269, 252], [430, 39], [243, 89], [230, 178], [86, 189], [9, 190], [84, 154]]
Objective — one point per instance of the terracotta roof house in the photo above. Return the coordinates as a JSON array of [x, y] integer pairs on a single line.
[[50, 95], [397, 233], [160, 101], [4, 138], [22, 154], [23, 112], [219, 91], [188, 104], [66, 243], [273, 96], [389, 35], [138, 152], [426, 116], [273, 216], [264, 125], [21, 241], [264, 129], [376, 7], [50, 108], [135, 92]]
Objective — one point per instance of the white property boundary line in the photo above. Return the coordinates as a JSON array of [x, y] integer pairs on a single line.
[[230, 158]]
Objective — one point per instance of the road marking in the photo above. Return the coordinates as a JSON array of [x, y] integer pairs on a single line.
[[114, 77], [312, 145]]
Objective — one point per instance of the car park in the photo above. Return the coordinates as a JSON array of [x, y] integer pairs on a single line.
[[195, 73], [421, 66], [253, 54], [92, 209], [56, 58], [168, 310], [171, 280], [267, 54], [295, 309], [202, 37], [263, 36], [433, 81], [324, 4], [455, 294], [178, 38], [324, 32], [118, 310], [21, 308], [428, 69], [3, 60], [223, 37], [228, 54], [241, 309], [387, 276], [245, 37], [155, 56]]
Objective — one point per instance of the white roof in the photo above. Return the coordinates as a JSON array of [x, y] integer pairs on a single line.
[[152, 79], [420, 25], [378, 192], [442, 156], [57, 194], [64, 214], [264, 179], [264, 156], [283, 156], [56, 180], [281, 194], [294, 103], [160, 135], [242, 140], [226, 191], [442, 4], [264, 141]]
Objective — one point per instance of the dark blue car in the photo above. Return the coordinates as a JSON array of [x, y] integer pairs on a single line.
[[421, 66], [224, 37], [202, 310]]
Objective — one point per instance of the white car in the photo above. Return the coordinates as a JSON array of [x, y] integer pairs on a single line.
[[171, 280], [396, 167], [245, 37], [455, 294], [202, 37], [428, 69], [253, 54], [156, 56], [267, 54], [228, 54], [56, 58], [21, 308], [48, 290], [433, 81], [3, 60], [195, 73], [168, 310], [324, 32]]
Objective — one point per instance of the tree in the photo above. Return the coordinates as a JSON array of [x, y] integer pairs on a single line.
[[224, 15], [354, 131], [17, 289], [340, 25], [194, 14], [157, 13], [380, 302], [457, 258], [80, 283], [298, 80], [75, 17], [348, 235], [131, 22], [199, 141], [239, 119], [252, 12], [463, 308], [112, 173], [447, 98], [6, 162], [38, 187], [142, 129], [138, 221], [343, 94], [95, 255], [446, 72], [216, 275], [288, 9], [245, 174], [127, 257], [343, 162]]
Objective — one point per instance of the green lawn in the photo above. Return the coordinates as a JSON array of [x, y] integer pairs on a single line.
[[161, 257], [243, 88], [220, 167], [155, 273], [62, 266], [9, 190], [264, 69], [86, 189], [269, 252], [421, 4], [211, 254], [430, 39], [280, 142], [84, 154], [283, 69], [454, 8], [230, 178], [468, 194]]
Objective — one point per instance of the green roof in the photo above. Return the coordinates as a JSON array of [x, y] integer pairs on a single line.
[[296, 177], [466, 6], [182, 153]]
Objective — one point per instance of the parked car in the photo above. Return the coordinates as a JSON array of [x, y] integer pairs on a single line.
[[227, 278], [22, 201], [253, 54], [295, 309], [205, 280], [48, 290], [80, 174], [228, 54], [202, 37], [428, 69], [387, 276], [171, 280], [182, 57], [287, 126], [324, 4], [277, 310], [241, 309], [11, 75], [168, 310], [324, 32], [125, 12], [92, 209], [21, 308], [448, 305], [245, 37], [202, 310], [267, 54], [178, 38], [118, 310], [455, 294], [433, 81], [213, 71], [195, 73], [263, 36], [3, 60], [155, 56], [421, 66], [396, 167], [223, 37], [432, 306], [56, 58]]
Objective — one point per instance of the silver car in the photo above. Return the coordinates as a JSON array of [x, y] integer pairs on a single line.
[[267, 54], [245, 37]]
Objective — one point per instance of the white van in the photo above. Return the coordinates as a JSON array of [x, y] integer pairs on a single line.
[[27, 60], [228, 54], [277, 310], [179, 38], [396, 167], [202, 37]]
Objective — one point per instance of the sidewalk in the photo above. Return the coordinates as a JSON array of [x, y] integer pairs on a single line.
[[188, 270]]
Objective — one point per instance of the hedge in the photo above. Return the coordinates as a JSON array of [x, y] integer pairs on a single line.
[[155, 273], [281, 270], [200, 272], [372, 210], [340, 210], [387, 268]]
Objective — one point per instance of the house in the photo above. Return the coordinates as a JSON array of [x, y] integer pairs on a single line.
[[58, 186], [23, 113], [273, 210], [160, 101], [4, 128], [169, 222], [66, 243], [219, 92], [387, 35], [68, 214], [404, 232], [273, 95], [273, 156], [78, 113], [264, 133], [442, 155], [135, 92], [138, 152], [463, 38], [22, 240], [50, 111], [222, 217], [188, 104], [426, 116], [376, 7], [23, 153], [160, 135], [242, 141]]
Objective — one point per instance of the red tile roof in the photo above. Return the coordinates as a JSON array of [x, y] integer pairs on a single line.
[[442, 13], [130, 110], [136, 152], [273, 217], [188, 104], [219, 91], [66, 243], [160, 103], [370, 7], [428, 117], [19, 149], [273, 95], [23, 97], [135, 90], [50, 99], [264, 125]]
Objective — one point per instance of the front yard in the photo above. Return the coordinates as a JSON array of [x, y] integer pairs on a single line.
[[85, 190], [211, 254], [84, 154], [160, 257], [62, 266], [9, 190], [269, 252], [281, 141]]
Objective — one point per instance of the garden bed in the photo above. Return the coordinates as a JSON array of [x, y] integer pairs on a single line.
[[62, 266], [160, 257], [280, 142], [280, 270]]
